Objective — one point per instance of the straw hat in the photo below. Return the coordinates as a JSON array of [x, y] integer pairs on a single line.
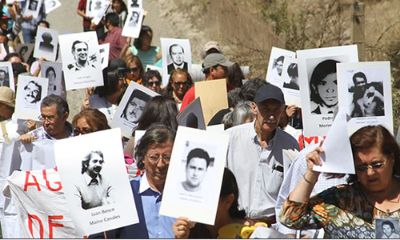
[[7, 96]]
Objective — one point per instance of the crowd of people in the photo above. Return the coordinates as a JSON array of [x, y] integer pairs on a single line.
[[257, 186]]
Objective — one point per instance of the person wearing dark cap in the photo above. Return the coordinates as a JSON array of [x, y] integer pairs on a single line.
[[255, 154], [215, 66]]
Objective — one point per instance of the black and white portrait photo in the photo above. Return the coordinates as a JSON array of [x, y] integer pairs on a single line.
[[95, 182], [53, 72], [291, 84], [133, 23], [4, 77], [135, 106], [31, 91], [323, 88], [134, 19], [33, 5], [318, 84], [131, 107], [365, 93], [46, 44], [387, 228], [177, 55], [293, 74], [93, 189], [81, 60], [275, 65], [197, 163], [25, 51], [51, 5], [32, 8], [194, 175]]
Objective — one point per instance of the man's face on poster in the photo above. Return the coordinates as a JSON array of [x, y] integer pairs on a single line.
[[31, 92], [33, 5], [177, 55], [327, 90], [196, 171], [95, 164], [2, 76], [135, 109], [279, 66], [81, 51], [360, 83], [51, 75]]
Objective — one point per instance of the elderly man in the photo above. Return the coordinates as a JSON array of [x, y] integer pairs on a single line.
[[177, 54], [92, 189], [54, 114], [255, 154], [215, 66]]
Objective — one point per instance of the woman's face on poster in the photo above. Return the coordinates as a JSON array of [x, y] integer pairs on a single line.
[[327, 90]]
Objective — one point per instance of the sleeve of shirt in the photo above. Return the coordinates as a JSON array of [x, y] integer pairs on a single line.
[[81, 5]]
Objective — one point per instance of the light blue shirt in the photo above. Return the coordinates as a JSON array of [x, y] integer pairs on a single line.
[[157, 226]]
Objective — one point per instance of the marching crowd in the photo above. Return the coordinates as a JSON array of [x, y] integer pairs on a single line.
[[259, 192]]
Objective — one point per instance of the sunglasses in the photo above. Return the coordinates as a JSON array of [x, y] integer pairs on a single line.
[[183, 84], [79, 131], [156, 83], [132, 70]]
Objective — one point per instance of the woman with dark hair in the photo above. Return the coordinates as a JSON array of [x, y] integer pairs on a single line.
[[153, 154], [228, 213], [106, 98], [119, 7], [350, 210], [235, 77], [323, 87], [179, 83], [88, 121], [152, 80]]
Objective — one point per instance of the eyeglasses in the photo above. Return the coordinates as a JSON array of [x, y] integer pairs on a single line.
[[50, 119], [183, 84], [132, 70], [156, 83], [79, 131], [373, 166], [155, 158]]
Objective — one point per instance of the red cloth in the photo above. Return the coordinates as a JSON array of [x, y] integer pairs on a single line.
[[116, 41], [82, 7], [188, 98]]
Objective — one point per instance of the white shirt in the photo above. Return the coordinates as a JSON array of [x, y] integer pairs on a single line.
[[258, 171], [103, 106]]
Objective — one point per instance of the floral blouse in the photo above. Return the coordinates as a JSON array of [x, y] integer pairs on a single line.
[[342, 211]]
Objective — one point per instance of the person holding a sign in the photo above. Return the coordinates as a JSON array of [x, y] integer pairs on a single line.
[[259, 144], [350, 210]]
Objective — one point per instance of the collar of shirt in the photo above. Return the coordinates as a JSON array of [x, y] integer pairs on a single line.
[[68, 128], [326, 110], [88, 178], [255, 137], [144, 185]]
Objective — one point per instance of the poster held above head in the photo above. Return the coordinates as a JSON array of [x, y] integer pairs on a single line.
[[46, 44], [133, 23], [25, 51], [30, 93], [365, 93], [53, 72], [275, 65], [131, 108], [95, 181], [194, 177], [7, 75], [81, 60], [213, 96], [290, 80], [318, 85], [192, 116], [32, 8], [51, 5], [176, 53]]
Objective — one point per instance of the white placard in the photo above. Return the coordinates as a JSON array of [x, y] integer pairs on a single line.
[[135, 4], [104, 50], [275, 65], [133, 23], [81, 60], [53, 72], [32, 8], [290, 80], [176, 53], [7, 75], [192, 188], [51, 5], [98, 10], [95, 181], [46, 44], [337, 141], [131, 108], [365, 94], [318, 85], [3, 52], [30, 93]]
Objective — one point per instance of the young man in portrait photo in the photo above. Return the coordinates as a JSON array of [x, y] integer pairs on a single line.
[[33, 4], [197, 164], [33, 92], [45, 44], [51, 75], [80, 52], [4, 78], [388, 230], [135, 106], [367, 101], [92, 189], [323, 88], [134, 20], [177, 54]]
